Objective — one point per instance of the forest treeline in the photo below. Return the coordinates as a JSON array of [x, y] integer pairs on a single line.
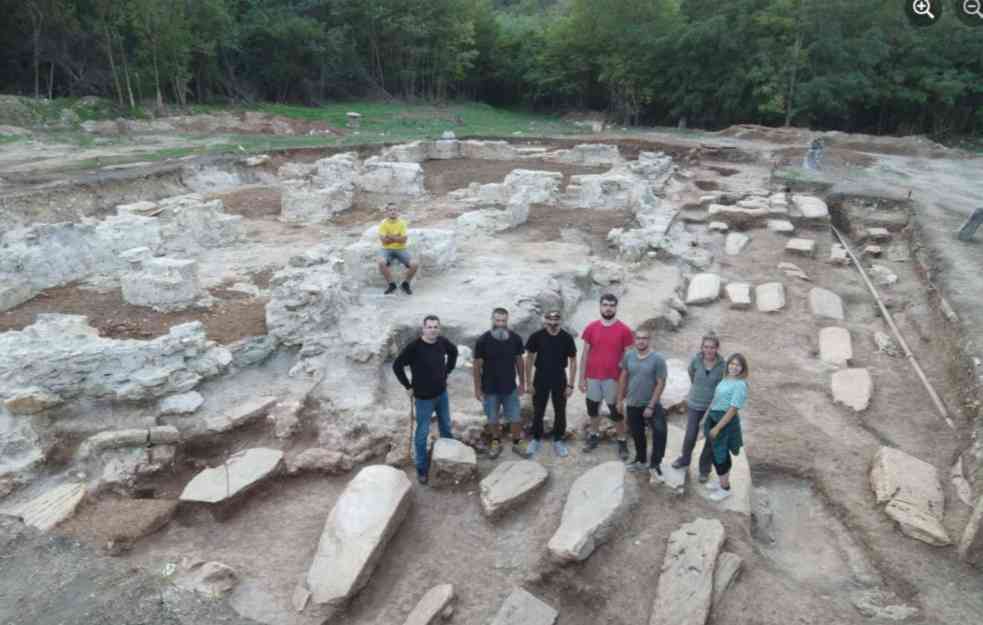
[[853, 65]]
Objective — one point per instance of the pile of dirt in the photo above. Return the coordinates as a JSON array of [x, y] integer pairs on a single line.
[[832, 157]]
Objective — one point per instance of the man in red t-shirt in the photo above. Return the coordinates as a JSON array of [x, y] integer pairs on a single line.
[[605, 341]]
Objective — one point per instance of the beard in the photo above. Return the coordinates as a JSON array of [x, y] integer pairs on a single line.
[[609, 315], [501, 334]]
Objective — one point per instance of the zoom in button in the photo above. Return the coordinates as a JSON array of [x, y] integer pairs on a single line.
[[924, 12]]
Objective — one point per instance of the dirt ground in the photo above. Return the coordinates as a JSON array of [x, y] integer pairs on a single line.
[[234, 316], [827, 542], [441, 177]]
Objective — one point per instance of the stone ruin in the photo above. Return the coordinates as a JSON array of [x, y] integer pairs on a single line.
[[315, 393]]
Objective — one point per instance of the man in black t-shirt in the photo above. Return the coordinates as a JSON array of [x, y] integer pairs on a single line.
[[551, 363], [431, 358], [497, 365]]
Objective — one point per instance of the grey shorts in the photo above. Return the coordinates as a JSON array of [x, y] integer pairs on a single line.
[[388, 256], [602, 390]]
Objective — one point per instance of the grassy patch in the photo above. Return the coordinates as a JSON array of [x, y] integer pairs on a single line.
[[10, 139], [394, 122]]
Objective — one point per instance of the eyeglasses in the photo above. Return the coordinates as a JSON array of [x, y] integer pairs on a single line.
[[641, 337], [552, 317]]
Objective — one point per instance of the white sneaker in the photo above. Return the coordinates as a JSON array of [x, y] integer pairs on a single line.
[[711, 485], [719, 495], [655, 478]]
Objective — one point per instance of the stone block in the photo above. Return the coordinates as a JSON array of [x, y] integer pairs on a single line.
[[14, 291], [183, 403], [164, 284], [852, 388], [488, 150], [735, 243], [452, 463], [971, 544], [684, 594], [239, 473], [240, 414], [913, 493], [364, 518], [431, 606], [825, 304], [391, 178], [598, 500], [781, 226], [510, 484], [303, 204], [739, 294], [801, 247], [727, 569], [835, 346], [770, 297], [738, 216], [52, 507], [704, 288], [811, 208]]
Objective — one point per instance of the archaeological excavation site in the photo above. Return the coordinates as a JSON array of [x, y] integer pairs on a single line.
[[199, 420]]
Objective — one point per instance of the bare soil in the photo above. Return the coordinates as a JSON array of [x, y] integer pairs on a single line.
[[234, 316], [253, 201]]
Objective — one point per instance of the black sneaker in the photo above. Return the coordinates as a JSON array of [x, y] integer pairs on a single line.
[[406, 288], [623, 450], [592, 441], [391, 288]]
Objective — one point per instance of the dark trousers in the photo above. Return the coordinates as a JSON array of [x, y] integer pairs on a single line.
[[694, 417], [543, 394], [637, 423]]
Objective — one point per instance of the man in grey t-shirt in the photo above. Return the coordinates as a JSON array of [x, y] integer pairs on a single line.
[[640, 386]]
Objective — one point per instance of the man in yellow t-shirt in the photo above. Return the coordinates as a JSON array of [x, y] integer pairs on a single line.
[[392, 234]]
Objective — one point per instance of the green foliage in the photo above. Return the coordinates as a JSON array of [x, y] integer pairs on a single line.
[[846, 64]]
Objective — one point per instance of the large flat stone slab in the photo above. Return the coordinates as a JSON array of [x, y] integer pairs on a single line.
[[684, 595], [239, 473], [52, 507], [781, 226], [363, 520], [913, 493], [522, 608], [452, 462], [510, 484], [431, 606], [598, 500], [739, 294], [770, 296], [852, 388], [737, 216], [825, 304], [704, 288], [835, 346]]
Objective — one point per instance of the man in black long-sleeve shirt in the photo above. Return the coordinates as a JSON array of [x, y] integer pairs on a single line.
[[431, 358]]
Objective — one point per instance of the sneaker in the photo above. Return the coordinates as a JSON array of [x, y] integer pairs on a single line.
[[519, 449], [679, 464], [711, 485], [636, 467], [391, 288], [592, 441], [534, 447], [655, 476], [422, 478], [703, 478], [495, 450], [560, 449], [719, 494], [623, 450], [406, 288]]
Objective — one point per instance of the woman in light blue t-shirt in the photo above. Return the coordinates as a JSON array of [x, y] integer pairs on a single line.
[[722, 425]]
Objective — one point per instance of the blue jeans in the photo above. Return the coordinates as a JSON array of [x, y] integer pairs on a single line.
[[424, 410]]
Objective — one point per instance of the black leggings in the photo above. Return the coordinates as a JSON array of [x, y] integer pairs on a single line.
[[541, 395], [637, 422], [723, 468]]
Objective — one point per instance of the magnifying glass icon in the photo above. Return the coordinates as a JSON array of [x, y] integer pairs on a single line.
[[924, 7], [973, 7]]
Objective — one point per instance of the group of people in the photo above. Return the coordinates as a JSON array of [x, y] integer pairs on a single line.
[[616, 366]]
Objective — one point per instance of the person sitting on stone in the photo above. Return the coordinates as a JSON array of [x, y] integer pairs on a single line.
[[722, 424], [392, 234]]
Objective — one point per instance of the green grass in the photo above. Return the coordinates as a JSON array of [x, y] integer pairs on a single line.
[[395, 122], [10, 139]]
